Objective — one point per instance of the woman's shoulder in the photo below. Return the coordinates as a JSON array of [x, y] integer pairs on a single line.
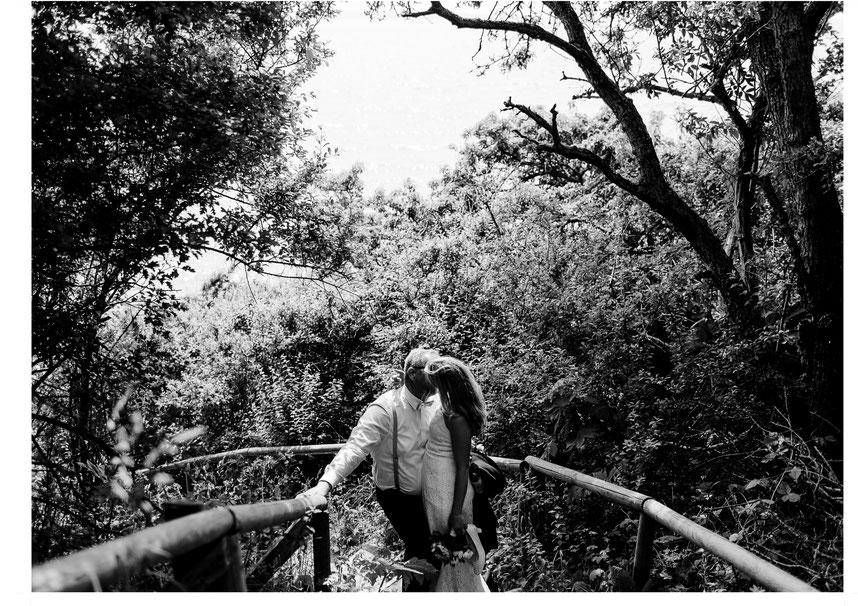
[[455, 419]]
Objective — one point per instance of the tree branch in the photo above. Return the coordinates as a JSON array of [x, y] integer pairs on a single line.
[[670, 91], [102, 445], [649, 88], [525, 29], [782, 220], [815, 13], [578, 49], [622, 106], [251, 263], [252, 266], [48, 372], [728, 103], [572, 152]]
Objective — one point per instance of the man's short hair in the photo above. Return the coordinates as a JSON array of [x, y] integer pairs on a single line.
[[419, 357]]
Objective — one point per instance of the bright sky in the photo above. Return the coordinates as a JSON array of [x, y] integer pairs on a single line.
[[399, 92]]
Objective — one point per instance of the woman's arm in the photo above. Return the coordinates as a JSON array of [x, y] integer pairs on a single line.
[[460, 436]]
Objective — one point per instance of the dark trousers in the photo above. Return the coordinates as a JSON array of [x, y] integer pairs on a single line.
[[408, 518], [486, 520]]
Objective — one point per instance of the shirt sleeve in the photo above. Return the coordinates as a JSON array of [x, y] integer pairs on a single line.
[[372, 428]]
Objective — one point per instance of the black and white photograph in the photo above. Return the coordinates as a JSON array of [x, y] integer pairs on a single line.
[[381, 297]]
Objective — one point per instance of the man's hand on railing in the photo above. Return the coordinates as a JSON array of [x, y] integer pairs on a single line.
[[323, 488]]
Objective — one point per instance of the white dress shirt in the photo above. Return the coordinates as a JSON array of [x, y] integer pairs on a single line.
[[373, 436]]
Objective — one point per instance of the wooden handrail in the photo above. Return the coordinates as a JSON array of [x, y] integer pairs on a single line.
[[612, 492], [509, 465], [256, 451], [105, 564], [761, 571], [765, 573]]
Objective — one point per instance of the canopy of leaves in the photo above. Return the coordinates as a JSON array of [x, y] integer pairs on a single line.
[[143, 114]]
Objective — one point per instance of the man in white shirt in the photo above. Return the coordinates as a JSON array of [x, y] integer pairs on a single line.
[[397, 464]]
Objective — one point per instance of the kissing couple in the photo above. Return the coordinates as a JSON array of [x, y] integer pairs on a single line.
[[419, 436]]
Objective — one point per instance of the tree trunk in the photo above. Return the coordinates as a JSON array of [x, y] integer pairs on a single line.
[[751, 136], [782, 52]]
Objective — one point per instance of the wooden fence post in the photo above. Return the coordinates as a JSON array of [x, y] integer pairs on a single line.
[[187, 483], [215, 566], [280, 551], [643, 551], [321, 549]]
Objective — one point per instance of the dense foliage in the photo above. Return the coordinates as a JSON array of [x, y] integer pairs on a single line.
[[159, 130], [600, 339], [596, 345]]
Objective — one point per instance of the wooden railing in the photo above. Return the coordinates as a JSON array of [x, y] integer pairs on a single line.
[[206, 534], [651, 512], [212, 532], [256, 451]]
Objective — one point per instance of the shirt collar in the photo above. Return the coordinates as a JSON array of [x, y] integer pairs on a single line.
[[413, 401]]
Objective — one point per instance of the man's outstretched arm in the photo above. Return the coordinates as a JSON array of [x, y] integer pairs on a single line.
[[371, 429]]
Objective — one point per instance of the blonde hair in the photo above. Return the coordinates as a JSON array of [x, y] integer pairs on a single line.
[[419, 357], [459, 391]]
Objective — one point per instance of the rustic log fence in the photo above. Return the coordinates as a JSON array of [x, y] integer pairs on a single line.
[[109, 563], [651, 512], [195, 535]]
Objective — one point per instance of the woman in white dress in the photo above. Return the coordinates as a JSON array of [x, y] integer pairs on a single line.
[[447, 492]]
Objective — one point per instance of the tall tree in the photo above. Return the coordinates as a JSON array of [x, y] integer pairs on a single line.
[[159, 130], [734, 56], [801, 187]]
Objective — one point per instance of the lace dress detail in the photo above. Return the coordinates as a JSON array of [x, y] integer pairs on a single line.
[[439, 474]]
